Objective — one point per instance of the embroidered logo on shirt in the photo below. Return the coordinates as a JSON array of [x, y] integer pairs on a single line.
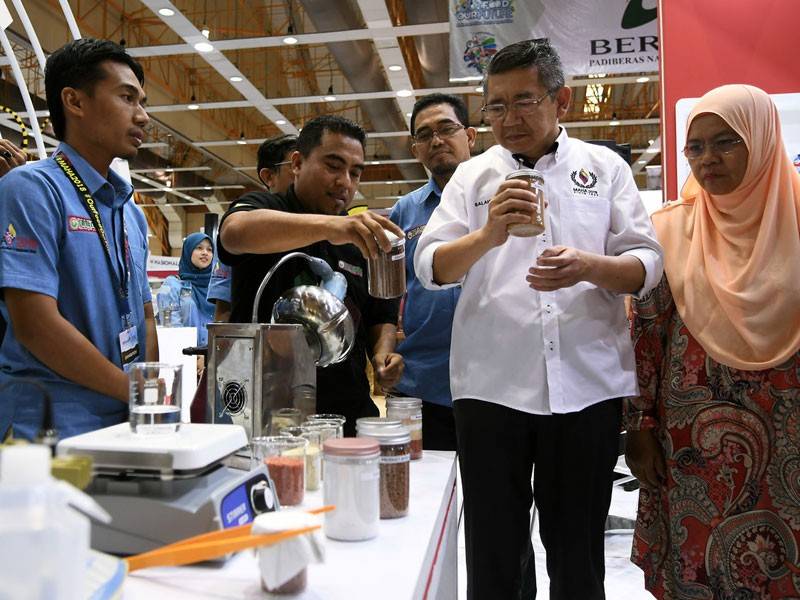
[[221, 271], [352, 269], [15, 243], [414, 232], [75, 223], [584, 181]]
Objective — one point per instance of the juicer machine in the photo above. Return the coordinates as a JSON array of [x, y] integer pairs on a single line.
[[255, 367]]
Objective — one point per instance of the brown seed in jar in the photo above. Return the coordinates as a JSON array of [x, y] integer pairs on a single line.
[[394, 481]]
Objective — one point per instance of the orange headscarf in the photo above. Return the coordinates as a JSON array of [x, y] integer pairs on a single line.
[[733, 260]]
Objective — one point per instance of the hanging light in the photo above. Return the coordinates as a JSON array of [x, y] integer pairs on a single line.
[[205, 31], [241, 139], [290, 39], [193, 105], [329, 97]]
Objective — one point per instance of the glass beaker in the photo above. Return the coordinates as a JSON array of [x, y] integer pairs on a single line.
[[283, 417], [285, 458], [154, 398]]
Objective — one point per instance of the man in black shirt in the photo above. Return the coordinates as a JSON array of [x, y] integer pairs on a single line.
[[260, 228]]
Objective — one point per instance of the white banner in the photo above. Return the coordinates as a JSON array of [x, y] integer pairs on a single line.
[[162, 266], [613, 36]]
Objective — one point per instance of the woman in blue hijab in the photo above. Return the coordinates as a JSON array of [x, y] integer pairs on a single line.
[[195, 268]]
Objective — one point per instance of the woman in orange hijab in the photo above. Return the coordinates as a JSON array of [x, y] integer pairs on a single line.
[[714, 437]]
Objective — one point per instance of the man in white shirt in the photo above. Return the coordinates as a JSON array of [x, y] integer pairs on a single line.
[[541, 351]]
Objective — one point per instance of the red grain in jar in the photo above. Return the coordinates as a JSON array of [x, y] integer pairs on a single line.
[[286, 473], [285, 458]]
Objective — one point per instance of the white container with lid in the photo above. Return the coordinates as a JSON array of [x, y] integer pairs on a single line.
[[44, 541], [352, 484]]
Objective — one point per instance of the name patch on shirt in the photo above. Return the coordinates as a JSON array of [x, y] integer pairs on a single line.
[[482, 202], [75, 223], [16, 243], [415, 232], [352, 269], [584, 182]]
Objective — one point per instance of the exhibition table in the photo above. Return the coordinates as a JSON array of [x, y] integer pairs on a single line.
[[412, 557]]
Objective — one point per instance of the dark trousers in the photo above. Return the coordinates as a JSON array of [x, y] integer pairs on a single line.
[[575, 454], [438, 427]]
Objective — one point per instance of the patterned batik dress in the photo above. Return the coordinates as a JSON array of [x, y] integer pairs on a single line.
[[726, 524]]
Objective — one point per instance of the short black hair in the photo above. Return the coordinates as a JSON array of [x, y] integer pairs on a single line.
[[311, 135], [77, 64], [273, 150], [524, 55], [462, 114]]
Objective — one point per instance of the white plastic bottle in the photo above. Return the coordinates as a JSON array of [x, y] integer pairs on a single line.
[[45, 542]]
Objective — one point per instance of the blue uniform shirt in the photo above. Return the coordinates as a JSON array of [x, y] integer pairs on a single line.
[[49, 246], [219, 288], [427, 315]]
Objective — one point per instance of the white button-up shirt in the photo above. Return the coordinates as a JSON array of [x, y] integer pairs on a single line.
[[543, 352]]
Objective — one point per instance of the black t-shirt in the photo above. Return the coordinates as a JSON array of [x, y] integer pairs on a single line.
[[341, 388]]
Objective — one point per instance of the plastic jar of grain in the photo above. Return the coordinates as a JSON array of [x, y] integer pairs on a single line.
[[352, 477], [535, 180], [409, 412], [386, 272], [395, 445], [367, 424], [285, 458]]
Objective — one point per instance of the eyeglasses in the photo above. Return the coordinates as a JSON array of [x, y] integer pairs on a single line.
[[495, 112], [694, 150], [425, 136], [277, 166]]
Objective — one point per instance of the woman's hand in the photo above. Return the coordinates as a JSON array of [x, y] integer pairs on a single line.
[[645, 458]]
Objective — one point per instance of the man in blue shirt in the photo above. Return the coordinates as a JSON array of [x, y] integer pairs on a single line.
[[73, 246], [275, 172], [442, 140]]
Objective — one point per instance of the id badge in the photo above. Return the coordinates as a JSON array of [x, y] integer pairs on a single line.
[[128, 346]]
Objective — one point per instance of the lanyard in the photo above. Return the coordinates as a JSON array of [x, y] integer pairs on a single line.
[[89, 202]]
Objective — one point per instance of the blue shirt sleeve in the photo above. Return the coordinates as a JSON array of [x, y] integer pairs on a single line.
[[141, 223], [219, 288], [31, 221]]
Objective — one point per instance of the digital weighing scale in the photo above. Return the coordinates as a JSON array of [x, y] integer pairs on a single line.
[[164, 488]]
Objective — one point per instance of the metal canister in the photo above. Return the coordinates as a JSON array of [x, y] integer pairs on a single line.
[[536, 182]]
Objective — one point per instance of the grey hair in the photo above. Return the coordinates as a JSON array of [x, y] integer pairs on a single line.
[[526, 54]]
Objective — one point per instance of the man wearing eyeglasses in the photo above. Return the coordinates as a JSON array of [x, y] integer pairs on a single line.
[[442, 141], [541, 352], [275, 172]]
